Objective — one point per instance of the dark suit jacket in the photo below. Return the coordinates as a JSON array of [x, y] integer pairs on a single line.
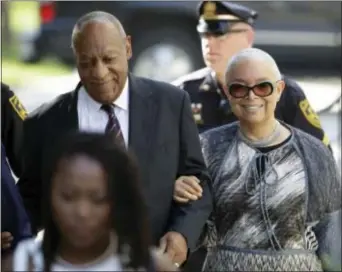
[[163, 136], [12, 115]]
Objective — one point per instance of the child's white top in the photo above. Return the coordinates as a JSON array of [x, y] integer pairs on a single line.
[[31, 248]]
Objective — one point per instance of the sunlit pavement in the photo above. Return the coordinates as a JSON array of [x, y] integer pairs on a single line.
[[321, 92]]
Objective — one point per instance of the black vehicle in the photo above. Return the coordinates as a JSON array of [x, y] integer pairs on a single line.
[[300, 35]]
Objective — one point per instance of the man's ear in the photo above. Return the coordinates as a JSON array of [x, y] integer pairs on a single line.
[[250, 36], [129, 47]]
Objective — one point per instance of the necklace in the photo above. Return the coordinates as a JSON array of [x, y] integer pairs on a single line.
[[265, 141]]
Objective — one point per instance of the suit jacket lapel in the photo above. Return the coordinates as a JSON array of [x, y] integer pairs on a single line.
[[143, 112], [69, 115]]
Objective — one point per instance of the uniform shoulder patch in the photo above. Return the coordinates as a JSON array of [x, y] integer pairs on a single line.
[[18, 107], [310, 115], [325, 139]]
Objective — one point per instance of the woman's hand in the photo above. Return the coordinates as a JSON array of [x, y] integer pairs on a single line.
[[162, 262], [187, 188]]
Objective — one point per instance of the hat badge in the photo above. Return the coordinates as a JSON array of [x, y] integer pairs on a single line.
[[209, 9]]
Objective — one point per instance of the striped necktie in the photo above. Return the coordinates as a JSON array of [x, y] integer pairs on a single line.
[[113, 125]]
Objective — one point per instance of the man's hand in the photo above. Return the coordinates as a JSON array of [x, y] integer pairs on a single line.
[[174, 245], [6, 240], [187, 188]]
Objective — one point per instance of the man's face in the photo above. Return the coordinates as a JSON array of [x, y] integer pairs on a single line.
[[218, 50], [102, 56]]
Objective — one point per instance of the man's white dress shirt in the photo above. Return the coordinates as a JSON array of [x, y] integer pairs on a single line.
[[92, 118]]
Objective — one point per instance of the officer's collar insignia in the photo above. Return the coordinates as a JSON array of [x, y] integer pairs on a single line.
[[205, 87], [197, 112], [208, 83]]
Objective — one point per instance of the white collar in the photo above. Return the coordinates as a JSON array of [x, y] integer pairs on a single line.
[[121, 102]]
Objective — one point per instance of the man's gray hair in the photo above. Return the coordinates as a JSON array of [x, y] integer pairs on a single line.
[[254, 54], [96, 16]]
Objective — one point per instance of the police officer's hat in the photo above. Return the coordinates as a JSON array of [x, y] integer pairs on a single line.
[[216, 17]]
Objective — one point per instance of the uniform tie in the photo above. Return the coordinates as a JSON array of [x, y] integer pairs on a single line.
[[113, 125]]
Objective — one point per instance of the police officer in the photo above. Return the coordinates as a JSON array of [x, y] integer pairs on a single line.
[[225, 28], [15, 225]]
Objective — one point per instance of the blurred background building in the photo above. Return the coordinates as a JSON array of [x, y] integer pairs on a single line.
[[303, 36]]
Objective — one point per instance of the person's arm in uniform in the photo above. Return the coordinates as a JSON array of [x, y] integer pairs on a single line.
[[15, 224], [12, 116], [300, 114]]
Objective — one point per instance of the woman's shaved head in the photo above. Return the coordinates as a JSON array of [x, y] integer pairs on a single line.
[[256, 56]]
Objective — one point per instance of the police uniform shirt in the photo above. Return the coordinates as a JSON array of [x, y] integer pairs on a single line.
[[209, 106], [13, 114]]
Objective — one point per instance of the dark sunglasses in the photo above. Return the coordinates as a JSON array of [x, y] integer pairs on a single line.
[[261, 89]]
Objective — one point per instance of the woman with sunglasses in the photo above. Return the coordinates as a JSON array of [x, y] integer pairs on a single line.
[[95, 219], [276, 189]]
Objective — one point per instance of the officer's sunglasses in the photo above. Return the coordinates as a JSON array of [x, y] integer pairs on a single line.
[[261, 89]]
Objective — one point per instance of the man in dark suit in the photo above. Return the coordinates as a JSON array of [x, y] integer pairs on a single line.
[[151, 118]]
